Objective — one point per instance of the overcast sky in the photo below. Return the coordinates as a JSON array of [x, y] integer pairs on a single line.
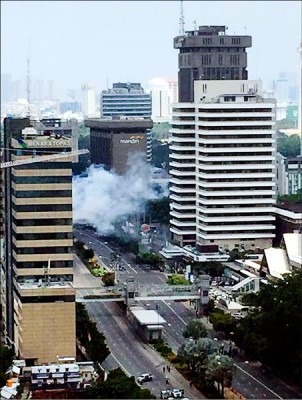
[[73, 42]]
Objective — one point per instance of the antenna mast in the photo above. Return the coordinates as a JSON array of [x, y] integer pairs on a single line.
[[181, 20], [28, 87]]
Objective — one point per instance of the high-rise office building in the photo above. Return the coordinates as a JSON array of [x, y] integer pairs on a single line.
[[223, 164], [113, 141], [209, 54], [125, 99], [39, 306], [88, 102]]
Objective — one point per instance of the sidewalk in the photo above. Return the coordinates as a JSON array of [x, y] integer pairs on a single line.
[[176, 380]]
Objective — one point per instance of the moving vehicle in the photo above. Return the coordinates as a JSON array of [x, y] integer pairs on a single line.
[[145, 378]]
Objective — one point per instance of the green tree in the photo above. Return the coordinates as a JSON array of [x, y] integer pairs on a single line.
[[219, 369], [158, 210], [195, 330], [89, 336], [117, 386], [6, 357], [288, 146], [222, 322], [177, 280], [160, 154], [108, 279], [295, 198], [88, 254], [154, 260], [195, 354], [271, 333]]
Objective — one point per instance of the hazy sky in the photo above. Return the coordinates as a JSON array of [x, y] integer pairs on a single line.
[[73, 42]]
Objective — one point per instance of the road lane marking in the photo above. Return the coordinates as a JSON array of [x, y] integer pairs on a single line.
[[128, 265], [123, 368], [184, 322], [255, 379]]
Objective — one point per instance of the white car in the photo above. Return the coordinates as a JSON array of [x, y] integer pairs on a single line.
[[177, 394], [145, 378], [165, 394]]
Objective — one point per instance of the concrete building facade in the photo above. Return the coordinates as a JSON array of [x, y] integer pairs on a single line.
[[114, 141], [289, 174], [209, 54], [223, 166], [39, 299]]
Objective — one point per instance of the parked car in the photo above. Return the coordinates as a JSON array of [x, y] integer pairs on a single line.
[[145, 378], [165, 394], [177, 394]]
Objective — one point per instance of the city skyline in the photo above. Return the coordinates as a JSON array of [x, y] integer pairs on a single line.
[[75, 42]]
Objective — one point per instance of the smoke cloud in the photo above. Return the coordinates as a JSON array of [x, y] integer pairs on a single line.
[[103, 198]]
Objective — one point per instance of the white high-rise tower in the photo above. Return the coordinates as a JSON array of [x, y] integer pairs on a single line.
[[223, 166], [89, 103]]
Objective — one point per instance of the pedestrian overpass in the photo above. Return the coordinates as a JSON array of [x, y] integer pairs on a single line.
[[131, 291]]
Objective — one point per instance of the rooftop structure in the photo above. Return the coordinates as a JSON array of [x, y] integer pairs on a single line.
[[209, 54]]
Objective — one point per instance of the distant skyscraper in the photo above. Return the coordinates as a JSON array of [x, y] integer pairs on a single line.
[[50, 95], [6, 88], [125, 99], [164, 93], [89, 103], [159, 90], [209, 54]]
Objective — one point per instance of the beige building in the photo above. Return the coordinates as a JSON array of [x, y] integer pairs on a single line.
[[38, 266]]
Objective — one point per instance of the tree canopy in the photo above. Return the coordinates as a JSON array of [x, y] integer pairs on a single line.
[[6, 358], [271, 333], [158, 210], [176, 279], [288, 146], [117, 386], [219, 368], [89, 336], [195, 330]]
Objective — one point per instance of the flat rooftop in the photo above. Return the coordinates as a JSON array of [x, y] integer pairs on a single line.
[[100, 123], [148, 317]]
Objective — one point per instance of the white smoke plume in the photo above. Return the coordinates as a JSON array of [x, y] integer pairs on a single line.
[[103, 197]]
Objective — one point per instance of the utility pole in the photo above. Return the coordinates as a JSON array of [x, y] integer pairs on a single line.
[[181, 20], [300, 97]]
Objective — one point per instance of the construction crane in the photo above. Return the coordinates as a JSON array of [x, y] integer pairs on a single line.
[[43, 158]]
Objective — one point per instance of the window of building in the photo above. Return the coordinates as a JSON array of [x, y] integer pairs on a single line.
[[235, 40], [207, 41]]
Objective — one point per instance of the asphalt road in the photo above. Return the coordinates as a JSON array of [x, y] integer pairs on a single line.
[[134, 356], [249, 380]]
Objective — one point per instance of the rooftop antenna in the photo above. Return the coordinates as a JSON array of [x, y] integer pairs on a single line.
[[181, 20], [28, 83]]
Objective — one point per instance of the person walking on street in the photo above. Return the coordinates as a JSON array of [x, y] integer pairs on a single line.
[[164, 369], [168, 368]]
